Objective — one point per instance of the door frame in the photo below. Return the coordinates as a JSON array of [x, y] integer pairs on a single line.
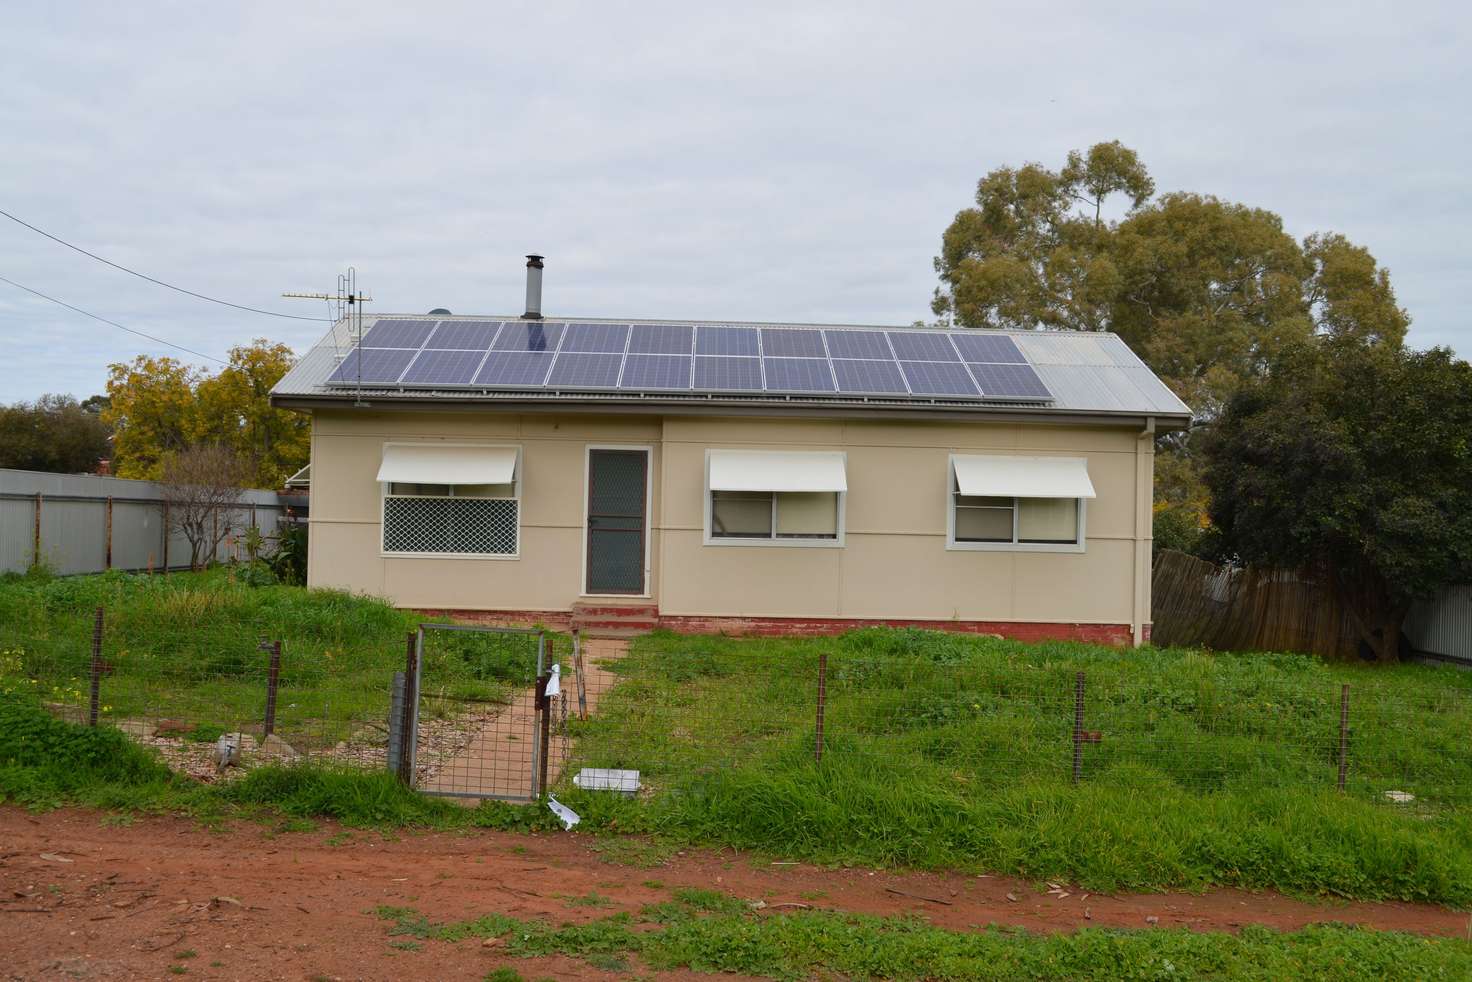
[[648, 450]]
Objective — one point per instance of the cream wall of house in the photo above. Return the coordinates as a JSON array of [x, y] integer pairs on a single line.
[[893, 563]]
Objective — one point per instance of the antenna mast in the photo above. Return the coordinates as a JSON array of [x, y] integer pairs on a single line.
[[347, 304]]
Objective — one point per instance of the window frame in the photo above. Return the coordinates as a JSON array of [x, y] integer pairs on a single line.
[[1013, 546], [384, 495], [774, 541]]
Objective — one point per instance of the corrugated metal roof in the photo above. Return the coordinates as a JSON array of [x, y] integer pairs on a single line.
[[1087, 373]]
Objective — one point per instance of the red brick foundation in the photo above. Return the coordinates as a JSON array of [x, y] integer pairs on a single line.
[[1111, 634], [559, 620]]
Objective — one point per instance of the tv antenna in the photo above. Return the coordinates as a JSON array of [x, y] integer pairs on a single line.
[[347, 307]]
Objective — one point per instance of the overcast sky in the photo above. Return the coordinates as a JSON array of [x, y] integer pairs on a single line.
[[766, 162]]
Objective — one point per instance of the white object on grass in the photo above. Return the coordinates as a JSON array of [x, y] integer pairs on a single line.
[[568, 816], [607, 779], [227, 751], [554, 684], [1400, 797]]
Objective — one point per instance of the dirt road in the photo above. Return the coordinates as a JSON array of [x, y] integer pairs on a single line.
[[82, 896]]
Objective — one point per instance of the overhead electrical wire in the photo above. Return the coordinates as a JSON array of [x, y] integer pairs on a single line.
[[145, 276], [201, 354]]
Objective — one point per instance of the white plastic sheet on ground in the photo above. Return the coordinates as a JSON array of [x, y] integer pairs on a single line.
[[567, 815]]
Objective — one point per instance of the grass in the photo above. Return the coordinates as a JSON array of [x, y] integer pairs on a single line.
[[940, 750], [949, 750], [186, 647], [46, 762], [678, 935]]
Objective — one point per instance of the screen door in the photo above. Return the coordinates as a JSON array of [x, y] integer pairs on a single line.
[[617, 481]]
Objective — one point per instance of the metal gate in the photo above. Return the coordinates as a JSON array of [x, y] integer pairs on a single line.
[[475, 710]]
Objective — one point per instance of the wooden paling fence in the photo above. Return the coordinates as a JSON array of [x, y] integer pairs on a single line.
[[1246, 609]]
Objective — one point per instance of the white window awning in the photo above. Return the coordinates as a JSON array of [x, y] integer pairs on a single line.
[[776, 470], [1023, 477], [429, 463]]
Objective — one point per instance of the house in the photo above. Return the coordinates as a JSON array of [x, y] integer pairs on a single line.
[[721, 476]]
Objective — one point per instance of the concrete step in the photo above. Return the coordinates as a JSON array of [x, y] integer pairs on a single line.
[[591, 624], [614, 632], [615, 610]]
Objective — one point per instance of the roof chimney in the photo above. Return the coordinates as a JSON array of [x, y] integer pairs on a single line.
[[533, 288]]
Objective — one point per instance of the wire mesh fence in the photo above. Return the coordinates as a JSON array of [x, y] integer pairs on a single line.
[[514, 714], [994, 719], [183, 688]]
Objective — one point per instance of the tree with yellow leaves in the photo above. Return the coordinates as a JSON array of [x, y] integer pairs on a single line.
[[160, 407]]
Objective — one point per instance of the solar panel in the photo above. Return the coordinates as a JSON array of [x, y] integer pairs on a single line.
[[711, 340], [729, 374], [858, 344], [593, 370], [938, 378], [873, 376], [373, 365], [397, 334], [596, 337], [443, 367], [660, 339], [793, 343], [514, 368], [464, 335], [1010, 382], [727, 358], [656, 372], [988, 348], [528, 336], [915, 346], [798, 374]]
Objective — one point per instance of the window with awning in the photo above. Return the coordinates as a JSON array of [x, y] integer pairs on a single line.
[[1018, 502], [776, 497], [450, 499]]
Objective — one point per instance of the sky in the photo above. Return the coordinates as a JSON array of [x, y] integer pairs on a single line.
[[786, 161]]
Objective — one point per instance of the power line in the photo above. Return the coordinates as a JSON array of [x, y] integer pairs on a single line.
[[115, 324], [145, 276]]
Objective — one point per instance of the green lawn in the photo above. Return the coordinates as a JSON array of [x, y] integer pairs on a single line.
[[949, 750], [186, 647]]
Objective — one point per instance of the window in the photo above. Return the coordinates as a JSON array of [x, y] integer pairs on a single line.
[[1017, 503], [1020, 521], [451, 500], [774, 515], [788, 498]]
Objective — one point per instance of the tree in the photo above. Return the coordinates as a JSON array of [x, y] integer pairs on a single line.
[[159, 406], [201, 487], [1352, 462], [235, 409], [1207, 292], [54, 433], [152, 410]]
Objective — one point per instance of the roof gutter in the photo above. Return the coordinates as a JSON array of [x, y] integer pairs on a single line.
[[703, 408]]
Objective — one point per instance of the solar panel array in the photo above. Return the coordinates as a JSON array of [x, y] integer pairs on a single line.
[[703, 358]]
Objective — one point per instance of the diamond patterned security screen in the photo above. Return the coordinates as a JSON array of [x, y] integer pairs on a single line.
[[616, 498], [468, 526]]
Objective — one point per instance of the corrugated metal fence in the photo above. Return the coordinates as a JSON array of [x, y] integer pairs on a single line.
[[77, 523], [1443, 626]]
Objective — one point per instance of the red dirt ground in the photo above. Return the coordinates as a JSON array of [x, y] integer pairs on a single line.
[[112, 901]]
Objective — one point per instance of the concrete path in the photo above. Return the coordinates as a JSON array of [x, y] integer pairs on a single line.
[[497, 760]]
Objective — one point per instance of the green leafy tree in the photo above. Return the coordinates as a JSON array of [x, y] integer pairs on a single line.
[[54, 433], [1207, 292], [1353, 462]]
